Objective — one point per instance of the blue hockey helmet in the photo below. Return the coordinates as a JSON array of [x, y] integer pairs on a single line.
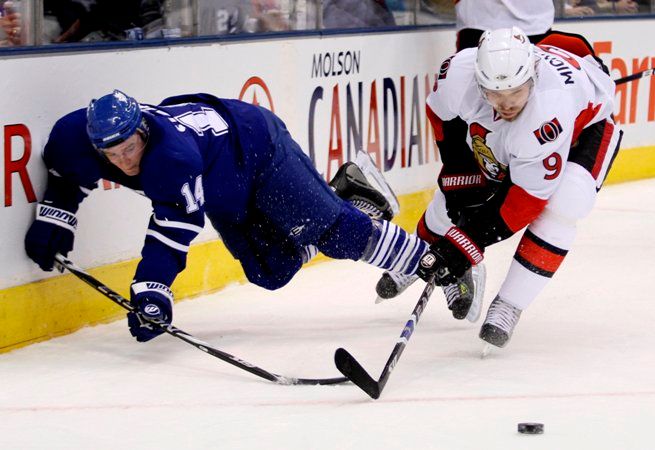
[[113, 118]]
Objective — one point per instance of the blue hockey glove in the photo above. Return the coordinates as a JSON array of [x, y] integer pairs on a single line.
[[154, 301], [449, 257], [52, 232]]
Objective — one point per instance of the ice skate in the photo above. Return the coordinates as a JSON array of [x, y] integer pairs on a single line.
[[350, 184], [459, 295], [392, 284], [464, 297], [499, 323]]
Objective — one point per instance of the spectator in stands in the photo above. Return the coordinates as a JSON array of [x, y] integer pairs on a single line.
[[106, 19], [218, 17], [270, 15], [577, 8], [356, 13], [10, 25], [435, 11]]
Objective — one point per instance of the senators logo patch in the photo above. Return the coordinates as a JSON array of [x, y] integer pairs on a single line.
[[548, 131], [443, 70]]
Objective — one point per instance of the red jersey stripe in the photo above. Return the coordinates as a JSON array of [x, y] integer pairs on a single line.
[[602, 150]]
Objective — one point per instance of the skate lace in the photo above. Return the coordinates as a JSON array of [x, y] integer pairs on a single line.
[[503, 315], [367, 208], [452, 292], [402, 280]]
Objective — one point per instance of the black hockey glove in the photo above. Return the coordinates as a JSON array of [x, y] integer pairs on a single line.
[[449, 258], [484, 225], [154, 301], [52, 232]]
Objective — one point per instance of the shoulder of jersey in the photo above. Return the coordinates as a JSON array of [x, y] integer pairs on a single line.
[[455, 77], [545, 122], [72, 124], [559, 69], [459, 68], [171, 160]]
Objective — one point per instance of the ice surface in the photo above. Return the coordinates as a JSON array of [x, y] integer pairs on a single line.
[[581, 361]]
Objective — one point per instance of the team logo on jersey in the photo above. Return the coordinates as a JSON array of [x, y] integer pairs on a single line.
[[483, 154], [443, 70], [548, 131]]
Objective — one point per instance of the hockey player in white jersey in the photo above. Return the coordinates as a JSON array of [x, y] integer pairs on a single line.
[[527, 138]]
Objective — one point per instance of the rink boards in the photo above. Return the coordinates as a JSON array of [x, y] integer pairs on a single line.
[[336, 94]]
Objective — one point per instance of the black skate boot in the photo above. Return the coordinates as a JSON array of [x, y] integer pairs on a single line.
[[392, 284], [350, 184], [499, 324]]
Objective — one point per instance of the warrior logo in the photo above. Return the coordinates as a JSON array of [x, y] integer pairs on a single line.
[[548, 131], [483, 154]]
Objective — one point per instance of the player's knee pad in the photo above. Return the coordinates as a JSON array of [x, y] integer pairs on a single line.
[[272, 270], [348, 236], [576, 194], [572, 201]]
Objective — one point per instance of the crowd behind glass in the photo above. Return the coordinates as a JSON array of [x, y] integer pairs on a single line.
[[43, 22]]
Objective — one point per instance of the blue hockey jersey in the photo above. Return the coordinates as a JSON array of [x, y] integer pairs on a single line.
[[204, 155]]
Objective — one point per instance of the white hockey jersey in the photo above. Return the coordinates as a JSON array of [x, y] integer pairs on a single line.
[[570, 93], [532, 16]]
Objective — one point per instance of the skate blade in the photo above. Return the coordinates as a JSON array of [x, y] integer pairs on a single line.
[[379, 300], [486, 351], [364, 161], [479, 281]]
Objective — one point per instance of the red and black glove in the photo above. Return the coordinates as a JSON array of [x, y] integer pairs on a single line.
[[449, 258]]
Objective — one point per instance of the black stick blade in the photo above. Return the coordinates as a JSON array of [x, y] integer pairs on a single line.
[[317, 381], [354, 371]]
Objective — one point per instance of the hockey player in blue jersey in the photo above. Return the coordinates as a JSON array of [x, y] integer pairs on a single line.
[[195, 155]]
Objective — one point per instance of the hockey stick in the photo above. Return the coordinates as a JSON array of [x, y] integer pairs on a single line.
[[635, 76], [354, 371], [189, 339]]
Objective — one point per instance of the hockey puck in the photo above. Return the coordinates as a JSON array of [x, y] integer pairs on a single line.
[[531, 428]]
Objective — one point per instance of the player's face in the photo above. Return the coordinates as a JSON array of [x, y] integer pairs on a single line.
[[509, 103], [127, 155]]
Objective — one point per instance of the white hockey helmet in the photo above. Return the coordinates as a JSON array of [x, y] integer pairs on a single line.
[[505, 59]]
